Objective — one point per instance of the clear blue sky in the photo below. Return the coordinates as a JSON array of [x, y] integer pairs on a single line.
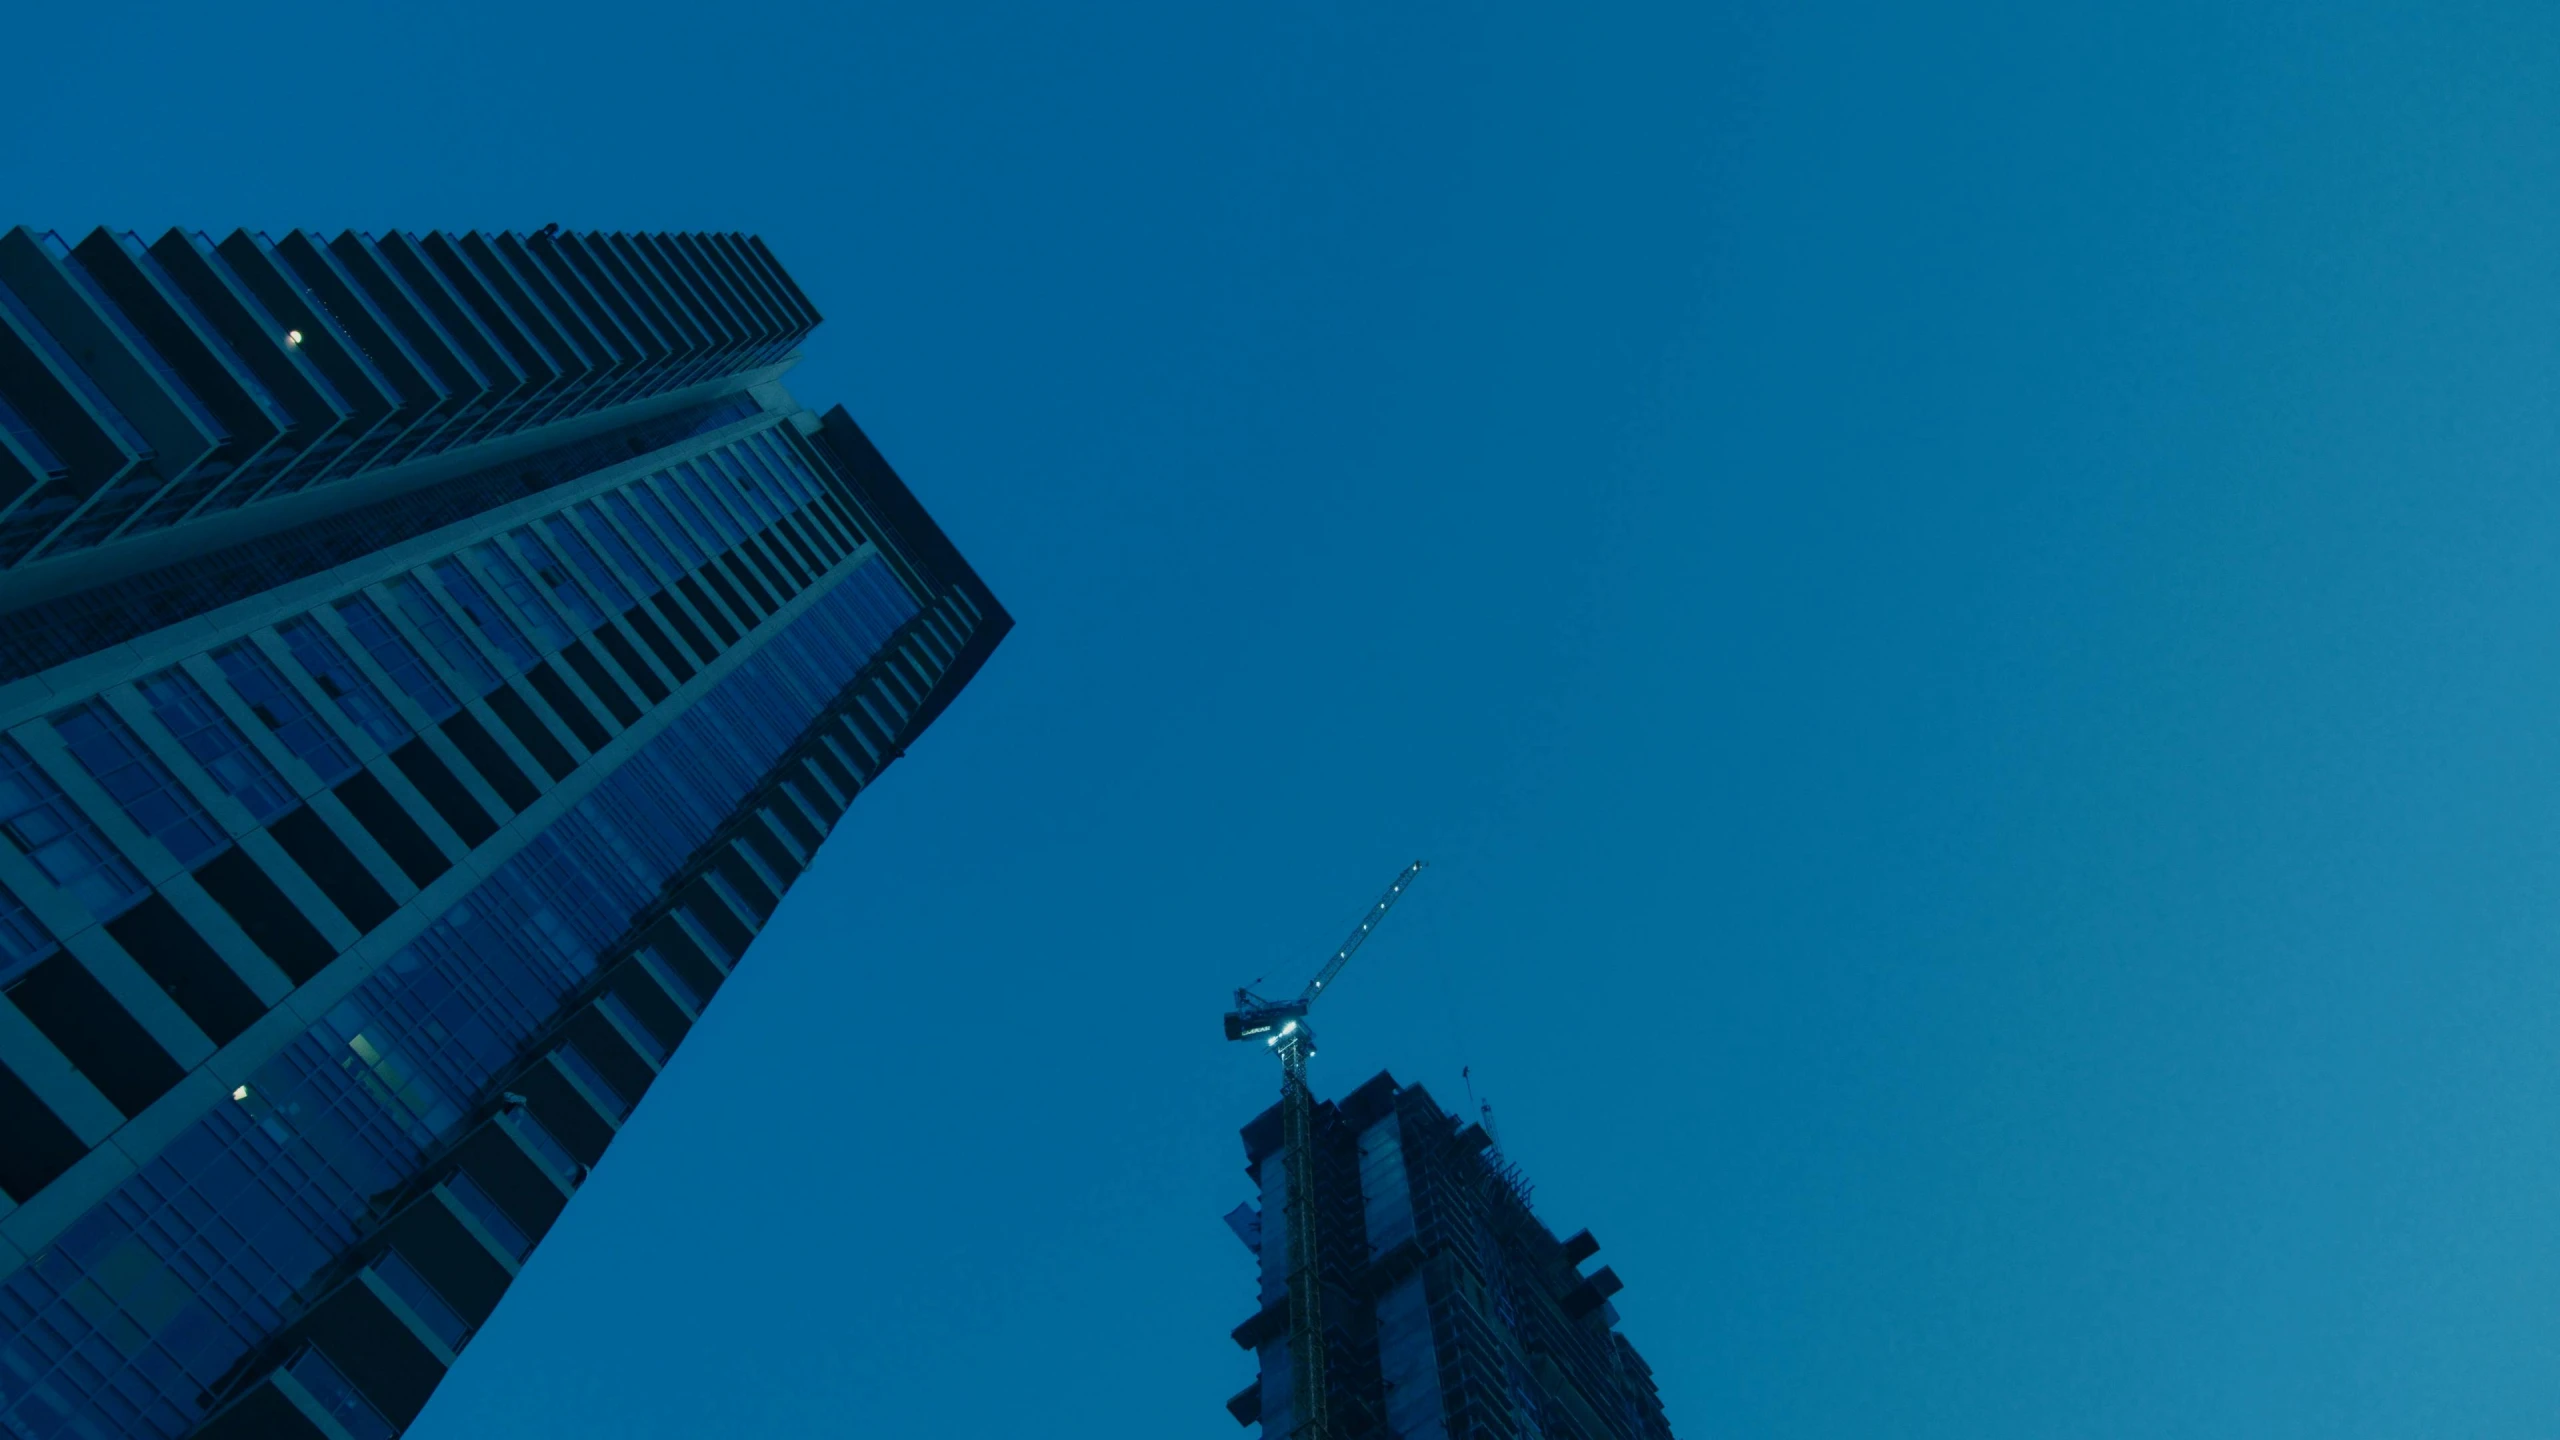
[[1966, 606]]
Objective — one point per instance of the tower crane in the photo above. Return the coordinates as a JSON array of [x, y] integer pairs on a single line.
[[1281, 1025]]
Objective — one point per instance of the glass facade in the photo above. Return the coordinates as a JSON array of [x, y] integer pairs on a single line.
[[143, 788], [503, 562], [63, 844], [192, 719]]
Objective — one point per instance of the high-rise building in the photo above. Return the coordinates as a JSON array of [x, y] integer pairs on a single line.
[[1450, 1311], [425, 662]]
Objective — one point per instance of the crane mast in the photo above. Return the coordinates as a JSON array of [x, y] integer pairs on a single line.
[[1282, 1026], [1306, 1288]]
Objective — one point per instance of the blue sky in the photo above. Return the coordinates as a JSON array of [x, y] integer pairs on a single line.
[[1964, 603]]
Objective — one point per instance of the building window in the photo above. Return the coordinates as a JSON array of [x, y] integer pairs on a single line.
[[667, 978], [423, 612], [686, 491], [791, 793], [476, 1203], [337, 1397], [23, 938], [280, 708], [556, 579], [475, 605], [620, 509], [340, 680], [757, 451], [691, 924], [538, 1138], [732, 477], [407, 670], [38, 819], [566, 537], [182, 708], [402, 1279], [151, 797], [520, 593], [642, 1038], [736, 902], [681, 538], [578, 1065]]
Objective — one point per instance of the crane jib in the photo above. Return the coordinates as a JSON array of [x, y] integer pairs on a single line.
[[1255, 1016]]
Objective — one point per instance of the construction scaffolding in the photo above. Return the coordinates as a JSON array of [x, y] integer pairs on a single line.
[[1449, 1311]]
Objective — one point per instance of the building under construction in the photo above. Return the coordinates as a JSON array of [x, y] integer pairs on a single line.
[[1449, 1312]]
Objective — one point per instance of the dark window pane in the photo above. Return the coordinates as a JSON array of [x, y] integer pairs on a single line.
[[333, 867], [151, 797], [443, 790], [182, 707], [421, 610], [258, 683], [489, 758], [182, 963], [392, 827], [23, 938], [564, 702], [259, 906], [340, 680], [37, 818], [372, 630], [96, 1034], [482, 612], [35, 1146], [547, 751]]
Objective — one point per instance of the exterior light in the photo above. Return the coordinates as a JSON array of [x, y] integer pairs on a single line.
[[293, 337], [242, 1093]]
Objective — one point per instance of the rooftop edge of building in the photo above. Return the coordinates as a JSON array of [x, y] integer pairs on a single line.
[[921, 537]]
